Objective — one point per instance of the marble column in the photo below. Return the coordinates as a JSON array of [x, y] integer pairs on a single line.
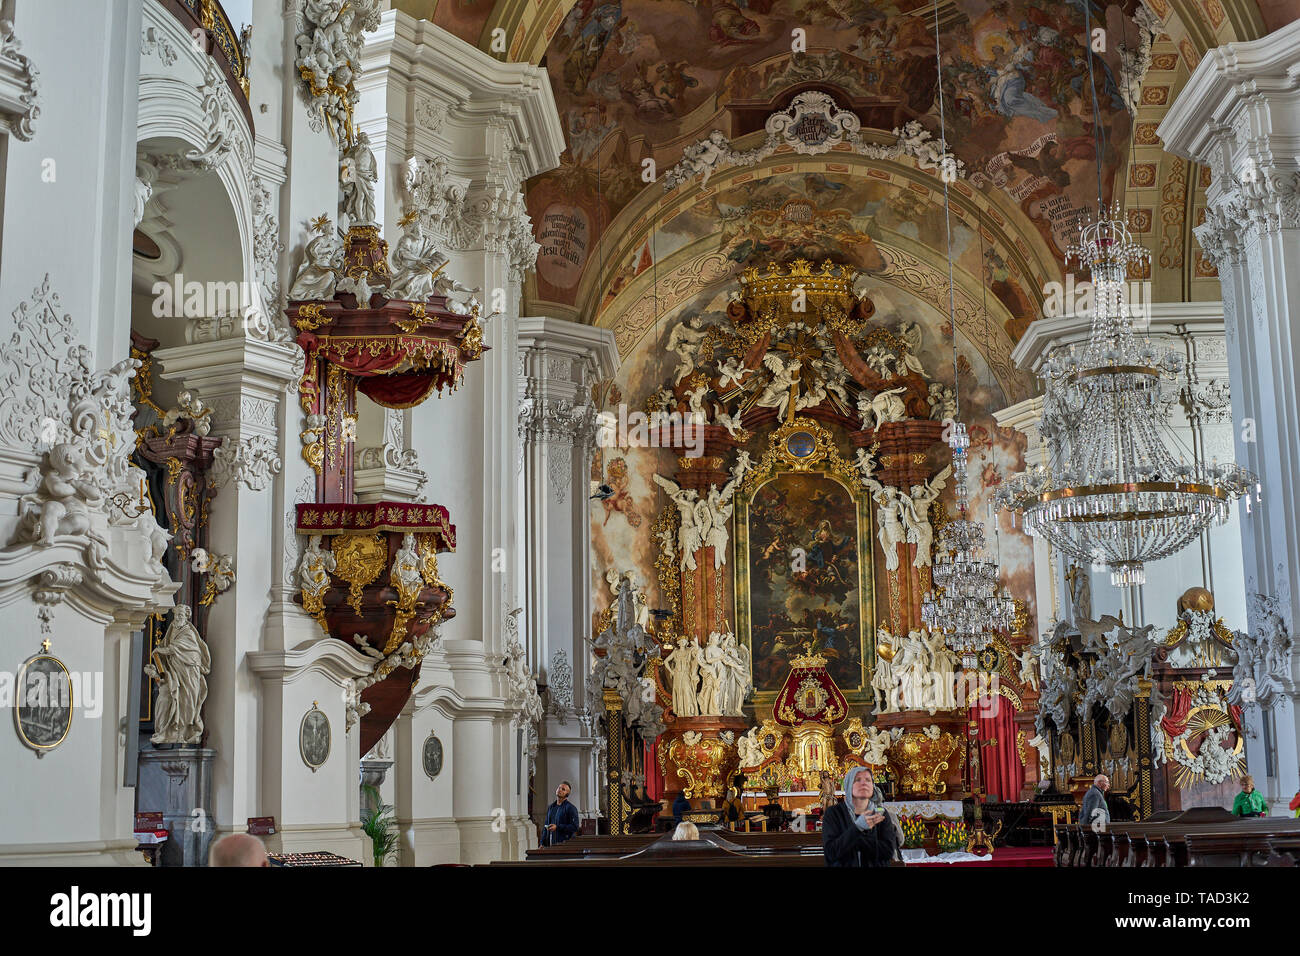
[[1239, 113], [559, 362]]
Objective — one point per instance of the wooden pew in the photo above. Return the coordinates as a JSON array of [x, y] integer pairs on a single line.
[[715, 847], [1285, 851], [1198, 836]]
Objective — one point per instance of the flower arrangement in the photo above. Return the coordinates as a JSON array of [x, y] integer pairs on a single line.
[[913, 831], [951, 835]]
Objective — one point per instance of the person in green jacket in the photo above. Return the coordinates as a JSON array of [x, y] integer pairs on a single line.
[[1250, 802]]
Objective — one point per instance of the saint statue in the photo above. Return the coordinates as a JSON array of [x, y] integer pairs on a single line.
[[179, 663], [711, 676], [358, 173], [683, 664], [322, 262], [415, 260]]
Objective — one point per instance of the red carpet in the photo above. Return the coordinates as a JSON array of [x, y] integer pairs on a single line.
[[1008, 856]]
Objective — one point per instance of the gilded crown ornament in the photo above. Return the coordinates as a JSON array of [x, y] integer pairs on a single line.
[[801, 292]]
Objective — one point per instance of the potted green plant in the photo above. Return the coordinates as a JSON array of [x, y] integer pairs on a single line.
[[378, 823]]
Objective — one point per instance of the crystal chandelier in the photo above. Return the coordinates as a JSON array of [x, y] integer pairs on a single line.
[[971, 606], [1111, 492]]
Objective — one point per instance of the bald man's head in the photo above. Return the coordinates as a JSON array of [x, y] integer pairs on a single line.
[[1101, 782], [238, 849]]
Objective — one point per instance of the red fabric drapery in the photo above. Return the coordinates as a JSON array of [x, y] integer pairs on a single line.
[[1003, 773], [398, 391], [393, 371], [654, 781], [1180, 706]]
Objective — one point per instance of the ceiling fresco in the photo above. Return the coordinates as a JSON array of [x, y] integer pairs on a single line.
[[643, 79]]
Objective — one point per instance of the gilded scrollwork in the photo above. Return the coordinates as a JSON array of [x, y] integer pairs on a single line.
[[360, 559]]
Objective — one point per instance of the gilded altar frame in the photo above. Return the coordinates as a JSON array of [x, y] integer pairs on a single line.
[[802, 445]]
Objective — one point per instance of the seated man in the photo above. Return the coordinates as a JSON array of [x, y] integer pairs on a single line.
[[775, 813]]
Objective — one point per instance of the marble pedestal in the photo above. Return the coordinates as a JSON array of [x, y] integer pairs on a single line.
[[373, 774], [178, 781]]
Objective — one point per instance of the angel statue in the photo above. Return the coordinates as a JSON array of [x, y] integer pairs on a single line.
[[695, 401], [322, 261], [1028, 659], [776, 394], [910, 334], [866, 462], [751, 754], [730, 372], [731, 423], [914, 509], [877, 744], [684, 340], [720, 510], [888, 512], [690, 536], [744, 462], [883, 407]]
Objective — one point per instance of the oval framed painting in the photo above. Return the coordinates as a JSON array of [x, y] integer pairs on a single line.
[[801, 444], [431, 755], [43, 703], [314, 738]]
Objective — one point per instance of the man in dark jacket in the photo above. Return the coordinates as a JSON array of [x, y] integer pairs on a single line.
[[858, 831], [1094, 812], [561, 818]]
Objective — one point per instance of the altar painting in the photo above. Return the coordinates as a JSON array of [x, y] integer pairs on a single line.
[[804, 577]]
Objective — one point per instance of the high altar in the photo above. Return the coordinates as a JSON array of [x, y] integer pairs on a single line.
[[803, 507]]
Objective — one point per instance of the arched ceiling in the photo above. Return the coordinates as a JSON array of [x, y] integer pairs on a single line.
[[638, 80]]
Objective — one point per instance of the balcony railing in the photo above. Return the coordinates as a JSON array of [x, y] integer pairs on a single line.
[[219, 40]]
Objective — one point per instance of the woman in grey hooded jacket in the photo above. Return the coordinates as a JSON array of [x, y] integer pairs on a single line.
[[858, 830]]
